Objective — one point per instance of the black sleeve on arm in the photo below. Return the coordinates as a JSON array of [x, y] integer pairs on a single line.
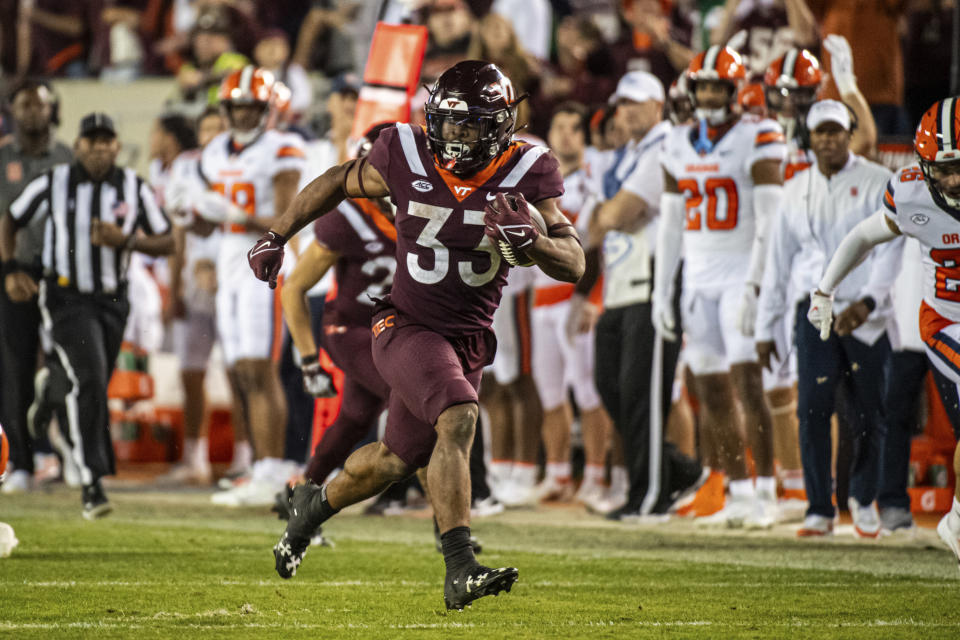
[[592, 272]]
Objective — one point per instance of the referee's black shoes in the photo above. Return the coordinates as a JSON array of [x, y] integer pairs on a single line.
[[95, 503]]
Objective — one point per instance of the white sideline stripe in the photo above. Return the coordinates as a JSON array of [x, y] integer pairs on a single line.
[[143, 622], [70, 584]]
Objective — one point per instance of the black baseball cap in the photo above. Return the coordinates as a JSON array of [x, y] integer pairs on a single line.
[[96, 122]]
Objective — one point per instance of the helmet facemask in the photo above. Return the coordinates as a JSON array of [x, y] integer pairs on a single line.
[[714, 116], [467, 152], [940, 196], [246, 136]]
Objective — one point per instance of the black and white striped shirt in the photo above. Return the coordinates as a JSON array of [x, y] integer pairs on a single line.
[[70, 200]]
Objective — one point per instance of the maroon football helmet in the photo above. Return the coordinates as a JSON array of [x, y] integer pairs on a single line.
[[365, 144], [471, 95]]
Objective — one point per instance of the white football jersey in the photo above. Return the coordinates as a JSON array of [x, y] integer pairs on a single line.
[[908, 203], [718, 188], [184, 175], [246, 179]]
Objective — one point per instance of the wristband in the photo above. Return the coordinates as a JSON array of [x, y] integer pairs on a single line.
[[869, 303], [308, 360]]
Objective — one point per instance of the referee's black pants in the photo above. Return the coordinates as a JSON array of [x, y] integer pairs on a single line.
[[623, 374], [87, 330], [19, 337]]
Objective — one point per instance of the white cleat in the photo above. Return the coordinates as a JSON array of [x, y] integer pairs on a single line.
[[554, 490], [733, 516], [611, 500], [764, 514], [516, 496], [489, 506], [866, 519], [815, 526], [791, 510], [18, 481], [590, 492], [950, 537]]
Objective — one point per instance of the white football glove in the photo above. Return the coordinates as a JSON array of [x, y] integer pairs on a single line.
[[664, 321], [841, 63], [747, 314], [820, 314], [317, 381]]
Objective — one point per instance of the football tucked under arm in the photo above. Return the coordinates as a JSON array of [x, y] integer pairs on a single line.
[[513, 224]]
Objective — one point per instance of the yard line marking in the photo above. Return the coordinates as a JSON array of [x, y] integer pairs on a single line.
[[392, 584], [138, 623]]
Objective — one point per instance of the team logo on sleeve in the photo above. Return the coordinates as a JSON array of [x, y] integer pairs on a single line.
[[920, 219], [422, 186]]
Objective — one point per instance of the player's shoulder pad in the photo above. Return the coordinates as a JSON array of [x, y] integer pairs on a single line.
[[766, 131], [286, 145]]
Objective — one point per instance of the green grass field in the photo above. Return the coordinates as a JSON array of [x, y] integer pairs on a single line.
[[167, 565]]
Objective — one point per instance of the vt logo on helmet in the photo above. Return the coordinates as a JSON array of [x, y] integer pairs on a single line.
[[937, 143], [471, 115]]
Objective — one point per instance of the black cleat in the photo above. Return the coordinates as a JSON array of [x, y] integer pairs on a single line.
[[288, 554], [281, 502], [477, 582], [95, 503], [301, 527]]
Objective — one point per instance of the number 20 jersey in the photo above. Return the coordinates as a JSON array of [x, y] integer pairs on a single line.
[[245, 177], [449, 275], [718, 191], [908, 203]]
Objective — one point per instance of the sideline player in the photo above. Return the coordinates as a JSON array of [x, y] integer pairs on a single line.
[[257, 170], [193, 280], [724, 172], [432, 333], [922, 201], [561, 365]]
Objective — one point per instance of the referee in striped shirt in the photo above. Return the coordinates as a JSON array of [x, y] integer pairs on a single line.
[[95, 214]]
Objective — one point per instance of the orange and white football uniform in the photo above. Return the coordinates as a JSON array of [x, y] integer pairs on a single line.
[[249, 319], [718, 235], [908, 203], [558, 364]]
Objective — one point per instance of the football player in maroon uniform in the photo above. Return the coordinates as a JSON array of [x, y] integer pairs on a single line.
[[432, 333]]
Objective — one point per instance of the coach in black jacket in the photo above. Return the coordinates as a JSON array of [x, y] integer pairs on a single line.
[[95, 214]]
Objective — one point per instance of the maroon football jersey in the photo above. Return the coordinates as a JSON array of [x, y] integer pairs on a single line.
[[366, 242], [449, 275]]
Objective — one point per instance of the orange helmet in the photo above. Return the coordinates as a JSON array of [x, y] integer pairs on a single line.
[[792, 84], [796, 68], [937, 143], [716, 64], [752, 100], [248, 86]]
